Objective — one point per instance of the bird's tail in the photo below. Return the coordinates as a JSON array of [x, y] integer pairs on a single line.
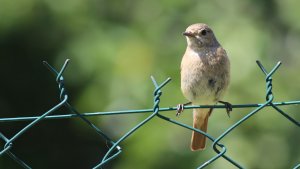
[[200, 121]]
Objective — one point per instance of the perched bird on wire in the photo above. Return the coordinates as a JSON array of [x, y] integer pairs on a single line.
[[205, 74]]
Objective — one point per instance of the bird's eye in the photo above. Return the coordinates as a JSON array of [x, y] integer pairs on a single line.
[[203, 32]]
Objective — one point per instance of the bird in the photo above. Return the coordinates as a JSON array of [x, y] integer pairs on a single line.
[[205, 76]]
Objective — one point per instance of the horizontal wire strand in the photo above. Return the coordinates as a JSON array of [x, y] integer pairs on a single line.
[[120, 112]]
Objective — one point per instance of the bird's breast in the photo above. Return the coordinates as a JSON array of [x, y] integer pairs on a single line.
[[204, 77]]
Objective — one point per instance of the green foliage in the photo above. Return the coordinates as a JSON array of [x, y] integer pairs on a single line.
[[114, 47]]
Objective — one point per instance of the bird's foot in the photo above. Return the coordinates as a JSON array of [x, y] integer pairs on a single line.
[[180, 108], [228, 107]]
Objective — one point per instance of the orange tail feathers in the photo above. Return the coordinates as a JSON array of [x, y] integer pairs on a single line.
[[200, 122]]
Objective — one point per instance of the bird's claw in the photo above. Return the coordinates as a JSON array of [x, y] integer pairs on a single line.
[[180, 108], [228, 107]]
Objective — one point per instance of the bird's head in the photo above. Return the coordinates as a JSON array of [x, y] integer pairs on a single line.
[[199, 35]]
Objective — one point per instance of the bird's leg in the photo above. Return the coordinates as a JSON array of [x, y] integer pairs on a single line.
[[180, 108], [228, 107]]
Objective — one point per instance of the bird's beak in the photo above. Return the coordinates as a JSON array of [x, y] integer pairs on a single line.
[[189, 34]]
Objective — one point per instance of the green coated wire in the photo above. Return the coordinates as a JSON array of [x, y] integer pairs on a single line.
[[115, 149], [157, 94], [297, 166], [18, 160], [8, 142], [14, 157], [122, 112], [156, 107], [270, 99]]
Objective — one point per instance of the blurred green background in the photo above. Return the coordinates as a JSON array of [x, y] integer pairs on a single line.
[[114, 47]]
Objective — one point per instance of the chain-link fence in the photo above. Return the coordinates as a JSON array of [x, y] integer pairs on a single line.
[[114, 146]]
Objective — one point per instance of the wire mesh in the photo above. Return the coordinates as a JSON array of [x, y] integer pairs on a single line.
[[114, 146]]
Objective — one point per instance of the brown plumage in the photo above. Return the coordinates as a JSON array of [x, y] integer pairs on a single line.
[[205, 74]]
